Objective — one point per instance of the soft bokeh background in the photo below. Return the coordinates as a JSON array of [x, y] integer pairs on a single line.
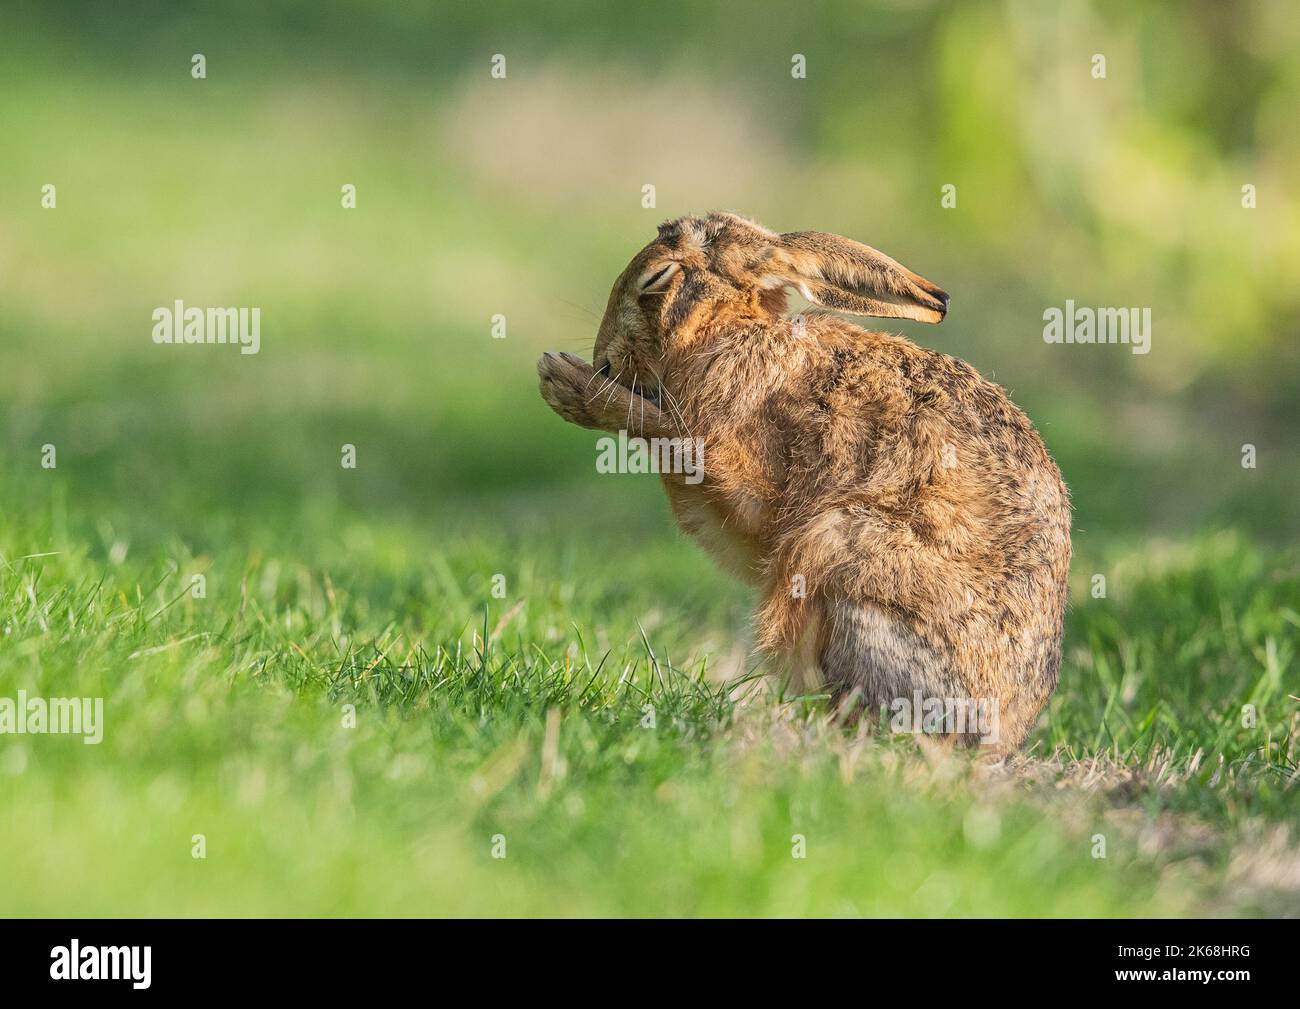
[[522, 197]]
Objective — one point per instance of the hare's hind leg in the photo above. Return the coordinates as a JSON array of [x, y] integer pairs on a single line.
[[862, 649], [872, 659]]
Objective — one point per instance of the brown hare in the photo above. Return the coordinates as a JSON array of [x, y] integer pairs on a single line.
[[906, 528]]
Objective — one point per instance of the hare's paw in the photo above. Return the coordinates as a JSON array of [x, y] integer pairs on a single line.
[[569, 386]]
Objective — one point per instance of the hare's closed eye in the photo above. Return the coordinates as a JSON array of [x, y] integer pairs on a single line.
[[657, 277]]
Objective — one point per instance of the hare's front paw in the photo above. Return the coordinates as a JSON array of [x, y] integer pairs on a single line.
[[569, 385]]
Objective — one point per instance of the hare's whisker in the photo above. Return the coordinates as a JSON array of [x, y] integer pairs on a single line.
[[580, 308], [608, 382], [612, 386], [674, 408]]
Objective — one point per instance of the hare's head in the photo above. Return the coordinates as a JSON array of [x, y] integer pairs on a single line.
[[702, 272]]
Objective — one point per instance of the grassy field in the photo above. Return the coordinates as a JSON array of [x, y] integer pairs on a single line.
[[623, 777], [351, 717]]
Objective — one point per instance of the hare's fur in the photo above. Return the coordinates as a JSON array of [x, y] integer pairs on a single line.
[[898, 514]]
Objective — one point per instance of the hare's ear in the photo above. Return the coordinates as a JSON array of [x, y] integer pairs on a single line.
[[848, 276]]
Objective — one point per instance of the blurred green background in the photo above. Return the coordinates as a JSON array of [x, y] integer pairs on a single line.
[[522, 197]]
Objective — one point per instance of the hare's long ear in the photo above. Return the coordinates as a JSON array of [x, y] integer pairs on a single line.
[[848, 276]]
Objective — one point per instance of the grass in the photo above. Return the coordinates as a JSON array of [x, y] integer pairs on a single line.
[[529, 718]]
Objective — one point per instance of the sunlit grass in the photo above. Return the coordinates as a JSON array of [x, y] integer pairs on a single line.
[[623, 777]]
